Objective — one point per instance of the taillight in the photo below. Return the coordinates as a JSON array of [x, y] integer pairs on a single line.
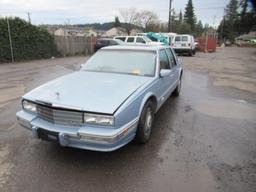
[[189, 44]]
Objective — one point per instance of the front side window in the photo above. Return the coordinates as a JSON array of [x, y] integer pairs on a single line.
[[164, 60], [171, 57], [132, 62]]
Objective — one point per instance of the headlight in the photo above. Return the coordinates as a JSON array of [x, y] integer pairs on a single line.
[[99, 119], [29, 106]]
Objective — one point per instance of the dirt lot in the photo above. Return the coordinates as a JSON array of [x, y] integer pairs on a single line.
[[202, 141]]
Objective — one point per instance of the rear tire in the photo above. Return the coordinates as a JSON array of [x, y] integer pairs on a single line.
[[145, 123], [190, 53]]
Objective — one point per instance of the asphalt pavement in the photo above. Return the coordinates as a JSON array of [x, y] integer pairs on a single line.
[[202, 141]]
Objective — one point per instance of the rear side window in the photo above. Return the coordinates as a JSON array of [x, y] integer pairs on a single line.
[[130, 39], [140, 40], [121, 38], [177, 38], [164, 60], [184, 38], [171, 57]]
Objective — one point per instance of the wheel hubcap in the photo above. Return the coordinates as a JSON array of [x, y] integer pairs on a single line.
[[148, 122], [179, 86]]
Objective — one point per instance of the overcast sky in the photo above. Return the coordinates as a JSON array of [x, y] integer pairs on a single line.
[[89, 11]]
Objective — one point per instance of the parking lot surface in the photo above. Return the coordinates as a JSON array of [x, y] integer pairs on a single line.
[[204, 140]]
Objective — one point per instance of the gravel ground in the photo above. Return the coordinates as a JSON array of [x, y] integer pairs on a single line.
[[202, 141]]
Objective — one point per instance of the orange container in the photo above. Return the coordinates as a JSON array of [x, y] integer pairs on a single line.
[[207, 44]]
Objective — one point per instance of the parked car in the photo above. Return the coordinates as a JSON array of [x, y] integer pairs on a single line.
[[109, 102], [103, 42], [141, 40], [184, 44]]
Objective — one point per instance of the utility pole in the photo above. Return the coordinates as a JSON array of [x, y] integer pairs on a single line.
[[29, 19], [10, 38], [170, 15]]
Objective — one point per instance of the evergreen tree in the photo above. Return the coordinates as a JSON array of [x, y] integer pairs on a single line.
[[117, 22], [180, 17], [189, 16], [229, 27], [199, 29], [231, 11]]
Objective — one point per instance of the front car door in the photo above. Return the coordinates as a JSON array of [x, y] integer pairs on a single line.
[[165, 83], [175, 66]]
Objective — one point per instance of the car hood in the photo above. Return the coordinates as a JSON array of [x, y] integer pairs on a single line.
[[88, 91]]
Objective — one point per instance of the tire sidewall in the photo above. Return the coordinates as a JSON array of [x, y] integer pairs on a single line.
[[142, 134]]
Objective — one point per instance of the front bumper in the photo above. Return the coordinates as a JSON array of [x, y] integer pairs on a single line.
[[83, 137]]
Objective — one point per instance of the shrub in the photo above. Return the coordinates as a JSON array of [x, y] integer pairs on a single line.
[[28, 41]]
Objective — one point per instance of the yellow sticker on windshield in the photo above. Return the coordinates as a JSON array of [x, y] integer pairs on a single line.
[[136, 71]]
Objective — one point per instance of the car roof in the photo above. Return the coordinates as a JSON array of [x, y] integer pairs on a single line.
[[136, 47]]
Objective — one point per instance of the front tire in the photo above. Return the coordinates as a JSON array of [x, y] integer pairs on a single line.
[[176, 91], [145, 123]]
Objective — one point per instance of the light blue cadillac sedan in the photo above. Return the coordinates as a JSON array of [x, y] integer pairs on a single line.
[[111, 101]]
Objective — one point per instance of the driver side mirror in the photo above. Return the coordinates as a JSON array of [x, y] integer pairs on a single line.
[[165, 72]]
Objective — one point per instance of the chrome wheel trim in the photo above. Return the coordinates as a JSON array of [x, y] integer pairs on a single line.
[[179, 85], [148, 122]]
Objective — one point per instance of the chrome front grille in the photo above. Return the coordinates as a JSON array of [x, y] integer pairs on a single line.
[[60, 116]]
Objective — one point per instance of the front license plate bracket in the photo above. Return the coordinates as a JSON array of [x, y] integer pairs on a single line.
[[48, 135]]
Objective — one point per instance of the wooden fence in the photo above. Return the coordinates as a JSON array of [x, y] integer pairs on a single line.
[[75, 45]]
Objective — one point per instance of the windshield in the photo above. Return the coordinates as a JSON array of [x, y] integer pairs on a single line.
[[123, 61]]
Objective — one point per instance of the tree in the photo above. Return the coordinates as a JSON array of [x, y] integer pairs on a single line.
[[199, 29], [180, 17], [189, 16], [231, 11], [144, 17], [28, 41], [130, 17], [117, 22], [229, 27]]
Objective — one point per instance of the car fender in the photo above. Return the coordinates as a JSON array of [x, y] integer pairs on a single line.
[[144, 100]]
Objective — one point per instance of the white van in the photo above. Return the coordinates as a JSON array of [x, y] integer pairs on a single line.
[[141, 40], [184, 44]]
